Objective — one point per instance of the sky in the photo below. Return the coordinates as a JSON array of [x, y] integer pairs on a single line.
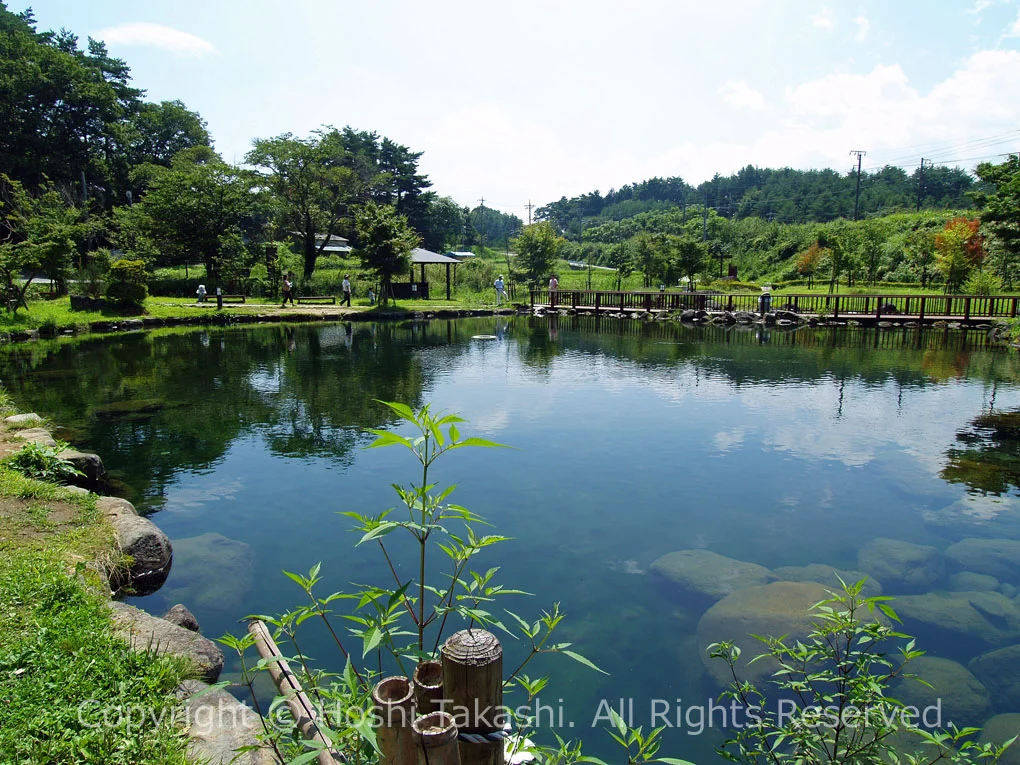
[[528, 101]]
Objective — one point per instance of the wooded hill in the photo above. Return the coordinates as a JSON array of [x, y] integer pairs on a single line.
[[784, 195]]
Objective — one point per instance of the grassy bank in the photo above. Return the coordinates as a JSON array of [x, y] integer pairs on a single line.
[[70, 691]]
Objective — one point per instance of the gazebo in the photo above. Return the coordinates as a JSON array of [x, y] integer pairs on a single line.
[[422, 257]]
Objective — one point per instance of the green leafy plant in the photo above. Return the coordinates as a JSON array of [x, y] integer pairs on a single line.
[[43, 463], [405, 622], [127, 291], [838, 678]]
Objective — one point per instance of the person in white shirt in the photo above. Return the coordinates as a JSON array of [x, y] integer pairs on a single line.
[[500, 287]]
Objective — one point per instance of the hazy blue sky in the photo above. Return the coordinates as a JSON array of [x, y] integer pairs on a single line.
[[535, 100]]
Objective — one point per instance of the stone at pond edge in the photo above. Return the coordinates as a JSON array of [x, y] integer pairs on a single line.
[[779, 608], [27, 420], [901, 566], [182, 617], [39, 436], [150, 549], [147, 632], [999, 670], [960, 621], [995, 557], [1000, 729], [707, 576], [827, 575], [964, 699], [219, 725], [89, 465]]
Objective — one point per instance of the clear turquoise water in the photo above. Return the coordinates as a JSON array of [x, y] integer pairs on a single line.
[[629, 441]]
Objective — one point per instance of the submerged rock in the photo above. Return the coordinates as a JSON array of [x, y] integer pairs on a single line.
[[999, 670], [963, 698], [707, 576], [829, 576], [902, 566], [960, 621], [779, 608], [1000, 729], [967, 581], [995, 557], [215, 572]]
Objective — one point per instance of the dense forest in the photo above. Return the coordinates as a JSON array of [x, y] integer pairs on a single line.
[[88, 166], [785, 195]]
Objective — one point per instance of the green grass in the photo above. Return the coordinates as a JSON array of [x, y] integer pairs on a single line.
[[69, 690]]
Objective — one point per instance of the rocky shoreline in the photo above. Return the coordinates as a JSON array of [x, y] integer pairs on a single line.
[[218, 724]]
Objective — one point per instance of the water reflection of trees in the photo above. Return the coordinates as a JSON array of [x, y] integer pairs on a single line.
[[988, 456], [747, 354], [158, 403], [153, 405]]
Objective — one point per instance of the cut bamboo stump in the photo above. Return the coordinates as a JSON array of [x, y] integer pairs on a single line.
[[287, 684], [473, 689], [394, 706], [435, 737], [428, 687]]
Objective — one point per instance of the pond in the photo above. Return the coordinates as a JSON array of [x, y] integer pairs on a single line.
[[629, 441]]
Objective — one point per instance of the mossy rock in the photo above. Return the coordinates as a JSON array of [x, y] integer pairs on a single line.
[[829, 576], [968, 581], [960, 622], [994, 557], [779, 608], [1000, 729], [999, 670], [124, 409], [902, 566], [963, 698], [706, 577]]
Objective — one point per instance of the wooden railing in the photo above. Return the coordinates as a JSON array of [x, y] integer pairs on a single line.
[[965, 307]]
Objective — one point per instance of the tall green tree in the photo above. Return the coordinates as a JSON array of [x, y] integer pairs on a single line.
[[313, 190], [537, 248], [1000, 214], [201, 208], [385, 241], [39, 236], [688, 256]]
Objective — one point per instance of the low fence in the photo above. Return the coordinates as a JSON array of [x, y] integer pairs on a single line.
[[962, 307]]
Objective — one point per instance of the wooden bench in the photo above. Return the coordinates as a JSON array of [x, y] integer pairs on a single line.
[[324, 299], [226, 298]]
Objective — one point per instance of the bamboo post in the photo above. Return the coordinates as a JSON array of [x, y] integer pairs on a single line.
[[287, 684], [435, 739], [428, 687], [394, 706], [473, 687]]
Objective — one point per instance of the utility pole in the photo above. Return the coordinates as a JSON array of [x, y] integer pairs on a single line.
[[920, 184], [857, 195], [529, 206], [704, 223]]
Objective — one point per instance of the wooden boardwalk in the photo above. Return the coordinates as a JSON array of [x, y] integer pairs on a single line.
[[926, 309]]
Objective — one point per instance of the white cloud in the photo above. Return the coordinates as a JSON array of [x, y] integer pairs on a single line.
[[979, 5], [863, 26], [1014, 31], [156, 36], [823, 20], [739, 94]]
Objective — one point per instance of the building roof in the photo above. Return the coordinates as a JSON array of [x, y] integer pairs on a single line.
[[461, 255], [420, 255]]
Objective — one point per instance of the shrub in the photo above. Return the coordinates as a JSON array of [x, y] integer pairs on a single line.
[[127, 290], [43, 463], [982, 283]]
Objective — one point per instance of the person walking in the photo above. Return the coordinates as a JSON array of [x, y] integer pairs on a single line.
[[500, 288], [346, 289], [554, 286], [288, 289]]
